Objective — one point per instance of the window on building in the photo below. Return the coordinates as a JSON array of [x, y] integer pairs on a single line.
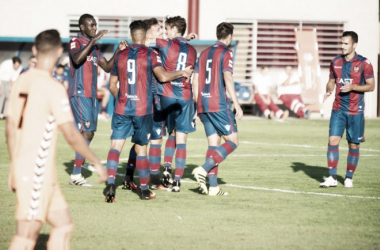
[[273, 44]]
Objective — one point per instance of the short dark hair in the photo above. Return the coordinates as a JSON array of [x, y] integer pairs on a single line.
[[60, 66], [16, 59], [223, 30], [83, 18], [178, 22], [150, 22], [137, 25], [352, 34], [48, 40]]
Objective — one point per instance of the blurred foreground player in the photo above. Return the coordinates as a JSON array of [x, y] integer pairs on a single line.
[[37, 107], [353, 75], [213, 76]]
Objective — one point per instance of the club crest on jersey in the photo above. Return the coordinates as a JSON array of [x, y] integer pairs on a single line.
[[93, 59], [158, 131], [356, 69], [87, 124]]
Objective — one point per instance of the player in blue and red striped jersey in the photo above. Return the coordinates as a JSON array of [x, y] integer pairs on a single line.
[[213, 76], [133, 69], [353, 75], [154, 31], [85, 57], [176, 97]]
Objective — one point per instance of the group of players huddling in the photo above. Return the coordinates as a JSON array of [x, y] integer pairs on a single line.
[[154, 95]]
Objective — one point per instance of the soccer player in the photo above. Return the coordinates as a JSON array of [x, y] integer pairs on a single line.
[[134, 68], [154, 31], [176, 98], [212, 77], [85, 57], [352, 74], [38, 106]]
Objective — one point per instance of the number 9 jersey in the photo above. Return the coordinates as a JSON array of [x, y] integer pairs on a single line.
[[211, 65], [134, 68]]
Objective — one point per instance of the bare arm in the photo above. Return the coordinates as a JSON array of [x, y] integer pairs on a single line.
[[77, 142], [79, 56], [329, 88], [113, 85], [107, 65], [369, 86], [191, 36], [229, 81], [195, 87], [10, 133], [166, 76]]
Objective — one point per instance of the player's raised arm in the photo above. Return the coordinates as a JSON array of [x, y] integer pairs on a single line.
[[77, 142], [229, 81], [79, 55], [107, 65], [191, 36]]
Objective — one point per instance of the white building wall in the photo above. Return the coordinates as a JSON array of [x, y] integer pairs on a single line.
[[26, 18]]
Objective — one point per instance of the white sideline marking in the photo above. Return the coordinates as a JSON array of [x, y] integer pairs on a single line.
[[277, 144], [91, 168]]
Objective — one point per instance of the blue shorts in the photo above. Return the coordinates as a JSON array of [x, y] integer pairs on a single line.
[[222, 122], [158, 130], [139, 127], [178, 114], [353, 124], [85, 111]]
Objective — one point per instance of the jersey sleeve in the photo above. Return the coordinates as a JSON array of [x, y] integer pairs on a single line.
[[161, 43], [228, 61], [74, 45], [332, 73], [156, 59], [367, 69], [60, 106]]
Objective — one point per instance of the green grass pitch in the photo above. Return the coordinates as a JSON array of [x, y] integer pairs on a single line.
[[275, 201]]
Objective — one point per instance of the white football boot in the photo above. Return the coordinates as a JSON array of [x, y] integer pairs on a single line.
[[329, 182]]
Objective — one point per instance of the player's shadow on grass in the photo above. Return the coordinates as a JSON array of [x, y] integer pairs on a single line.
[[315, 172], [69, 169], [41, 243], [188, 174]]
